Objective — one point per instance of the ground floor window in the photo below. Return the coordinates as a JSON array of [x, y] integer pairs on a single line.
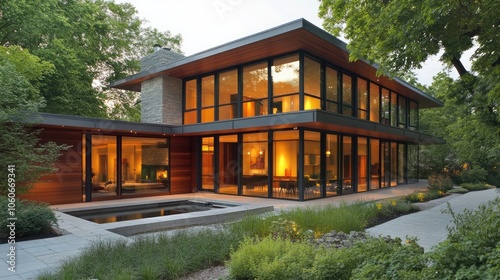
[[124, 166], [302, 164]]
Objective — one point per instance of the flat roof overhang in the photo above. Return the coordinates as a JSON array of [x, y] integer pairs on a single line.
[[313, 119], [101, 125], [294, 36]]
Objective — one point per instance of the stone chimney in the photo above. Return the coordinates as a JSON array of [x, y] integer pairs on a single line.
[[161, 97]]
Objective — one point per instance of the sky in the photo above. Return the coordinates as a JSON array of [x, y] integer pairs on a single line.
[[204, 24]]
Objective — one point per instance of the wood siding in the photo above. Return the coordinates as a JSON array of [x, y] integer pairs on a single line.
[[182, 165], [65, 185]]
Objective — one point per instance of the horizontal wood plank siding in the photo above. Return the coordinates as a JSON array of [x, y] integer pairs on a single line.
[[182, 164], [65, 185]]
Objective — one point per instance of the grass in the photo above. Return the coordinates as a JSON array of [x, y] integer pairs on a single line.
[[171, 257]]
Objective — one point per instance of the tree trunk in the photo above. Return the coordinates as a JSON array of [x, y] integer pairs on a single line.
[[459, 66]]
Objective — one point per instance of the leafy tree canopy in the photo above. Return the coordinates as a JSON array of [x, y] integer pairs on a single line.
[[401, 35], [20, 72], [89, 43]]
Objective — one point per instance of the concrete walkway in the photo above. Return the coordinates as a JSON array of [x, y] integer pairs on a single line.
[[36, 256], [429, 226]]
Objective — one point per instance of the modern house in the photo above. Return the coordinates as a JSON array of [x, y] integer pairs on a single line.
[[281, 113]]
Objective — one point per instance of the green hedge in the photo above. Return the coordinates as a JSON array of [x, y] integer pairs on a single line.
[[33, 218]]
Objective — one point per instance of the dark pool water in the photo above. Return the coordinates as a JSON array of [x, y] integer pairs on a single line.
[[134, 212]]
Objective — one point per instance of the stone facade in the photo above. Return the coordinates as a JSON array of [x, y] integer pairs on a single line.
[[161, 101], [161, 97]]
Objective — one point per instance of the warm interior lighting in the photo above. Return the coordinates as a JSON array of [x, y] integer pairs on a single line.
[[328, 153]]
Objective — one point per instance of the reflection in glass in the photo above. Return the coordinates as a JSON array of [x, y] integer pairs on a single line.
[[312, 77], [285, 73], [255, 90], [374, 102], [346, 95], [362, 98], [228, 94]]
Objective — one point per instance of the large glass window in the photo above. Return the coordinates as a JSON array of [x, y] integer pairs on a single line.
[[362, 164], [207, 99], [190, 102], [402, 111], [374, 164], [362, 99], [207, 163], [401, 163], [228, 94], [394, 109], [394, 164], [332, 90], [413, 115], [332, 165], [255, 90], [312, 84], [312, 164], [285, 73], [286, 154], [255, 164], [347, 164], [228, 164], [346, 95], [386, 106], [145, 163], [374, 102], [104, 166], [142, 169]]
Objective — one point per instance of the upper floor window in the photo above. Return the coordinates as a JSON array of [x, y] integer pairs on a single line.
[[207, 98], [332, 90], [312, 84], [374, 102], [285, 74], [346, 95], [228, 94], [190, 102], [362, 99], [291, 83], [255, 90]]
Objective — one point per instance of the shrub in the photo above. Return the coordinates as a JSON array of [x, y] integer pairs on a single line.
[[374, 258], [271, 258], [423, 196], [472, 248], [475, 186], [440, 182], [476, 174], [32, 218], [458, 190]]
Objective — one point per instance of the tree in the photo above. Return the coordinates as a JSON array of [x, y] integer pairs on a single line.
[[401, 35], [90, 43], [20, 74]]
